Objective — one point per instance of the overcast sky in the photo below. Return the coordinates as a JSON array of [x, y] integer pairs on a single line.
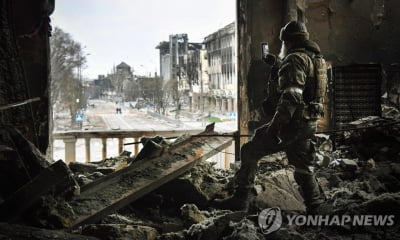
[[129, 30]]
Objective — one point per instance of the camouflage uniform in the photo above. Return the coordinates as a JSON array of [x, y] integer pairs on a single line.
[[289, 125]]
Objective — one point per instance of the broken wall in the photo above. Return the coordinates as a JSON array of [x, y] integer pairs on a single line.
[[355, 31], [24, 66]]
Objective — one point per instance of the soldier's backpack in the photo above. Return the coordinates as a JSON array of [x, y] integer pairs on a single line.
[[316, 88]]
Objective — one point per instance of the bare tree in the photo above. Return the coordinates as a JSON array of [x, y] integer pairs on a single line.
[[67, 60], [161, 96]]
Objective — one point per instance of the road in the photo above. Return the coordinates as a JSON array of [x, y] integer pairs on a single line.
[[103, 117], [133, 119]]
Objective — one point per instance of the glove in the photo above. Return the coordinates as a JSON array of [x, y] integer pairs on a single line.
[[273, 132]]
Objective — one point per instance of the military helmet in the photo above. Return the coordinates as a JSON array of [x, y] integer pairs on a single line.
[[294, 31]]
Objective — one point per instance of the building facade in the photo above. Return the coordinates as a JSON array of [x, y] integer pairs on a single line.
[[221, 55], [197, 73], [174, 65]]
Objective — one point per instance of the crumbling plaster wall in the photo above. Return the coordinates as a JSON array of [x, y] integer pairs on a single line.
[[24, 44], [351, 31], [257, 21], [354, 31]]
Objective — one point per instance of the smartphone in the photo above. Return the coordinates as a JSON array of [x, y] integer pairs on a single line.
[[264, 50], [266, 56]]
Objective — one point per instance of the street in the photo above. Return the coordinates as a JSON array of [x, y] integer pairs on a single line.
[[102, 115]]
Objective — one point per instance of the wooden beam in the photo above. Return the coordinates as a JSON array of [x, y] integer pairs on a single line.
[[112, 192]]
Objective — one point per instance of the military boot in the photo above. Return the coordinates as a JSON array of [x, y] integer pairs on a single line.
[[310, 191], [238, 201]]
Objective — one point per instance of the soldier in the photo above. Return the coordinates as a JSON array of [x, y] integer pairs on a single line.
[[302, 83]]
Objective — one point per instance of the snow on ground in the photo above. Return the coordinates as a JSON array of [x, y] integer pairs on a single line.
[[104, 117]]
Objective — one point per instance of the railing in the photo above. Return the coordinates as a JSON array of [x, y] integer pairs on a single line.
[[70, 138]]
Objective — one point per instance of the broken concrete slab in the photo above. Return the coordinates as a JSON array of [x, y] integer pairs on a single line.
[[84, 179], [278, 189], [152, 147], [27, 196], [33, 159], [105, 166], [20, 160], [117, 190], [199, 185], [78, 167], [348, 164]]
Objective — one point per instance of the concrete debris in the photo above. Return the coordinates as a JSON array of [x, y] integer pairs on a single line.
[[348, 164], [56, 179], [20, 161], [15, 231], [390, 113], [324, 160], [244, 230], [369, 165], [214, 227], [111, 193], [84, 179], [152, 147], [191, 214], [199, 185], [172, 236], [324, 142], [359, 176], [106, 166], [120, 231], [52, 213]]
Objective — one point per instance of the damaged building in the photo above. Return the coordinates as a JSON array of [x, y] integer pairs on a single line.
[[165, 190], [174, 56], [221, 56]]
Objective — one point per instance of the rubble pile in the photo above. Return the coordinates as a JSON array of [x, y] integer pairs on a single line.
[[358, 170]]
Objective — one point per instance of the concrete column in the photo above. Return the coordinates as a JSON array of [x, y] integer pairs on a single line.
[[70, 149], [87, 149], [136, 147], [120, 145], [104, 148]]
